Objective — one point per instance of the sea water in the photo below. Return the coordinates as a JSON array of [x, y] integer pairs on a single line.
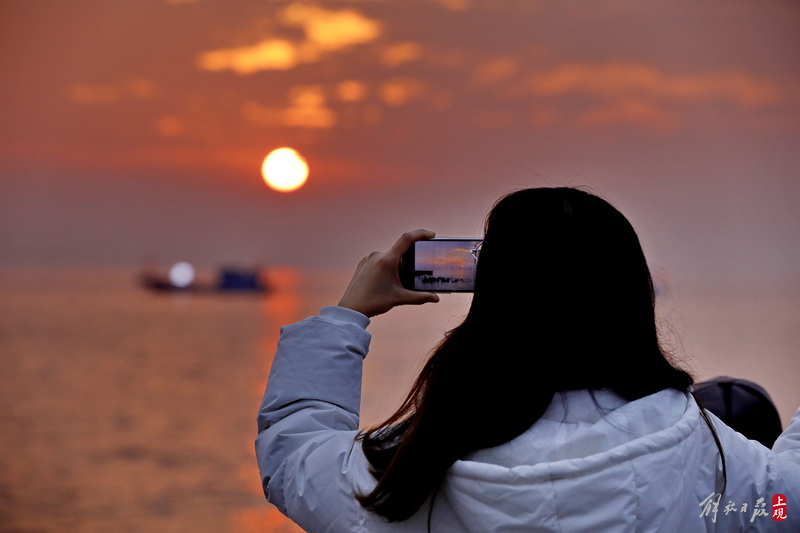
[[126, 410]]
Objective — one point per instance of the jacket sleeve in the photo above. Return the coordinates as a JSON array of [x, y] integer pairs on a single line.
[[308, 419], [788, 444]]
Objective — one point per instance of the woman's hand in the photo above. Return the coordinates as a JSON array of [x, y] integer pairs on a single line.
[[375, 287]]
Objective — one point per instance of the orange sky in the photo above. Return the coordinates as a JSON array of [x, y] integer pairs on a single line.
[[136, 129]]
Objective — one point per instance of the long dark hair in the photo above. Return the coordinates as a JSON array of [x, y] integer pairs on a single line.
[[563, 301]]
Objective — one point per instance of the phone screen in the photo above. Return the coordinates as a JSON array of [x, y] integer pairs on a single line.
[[442, 265]]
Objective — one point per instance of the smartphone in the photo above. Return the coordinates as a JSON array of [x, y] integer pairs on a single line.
[[440, 265]]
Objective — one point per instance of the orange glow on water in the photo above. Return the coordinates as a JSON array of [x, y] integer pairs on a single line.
[[284, 170]]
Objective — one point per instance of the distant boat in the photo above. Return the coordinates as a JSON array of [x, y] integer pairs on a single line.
[[237, 279], [229, 280]]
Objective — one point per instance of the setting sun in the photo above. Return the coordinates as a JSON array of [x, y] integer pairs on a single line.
[[284, 170]]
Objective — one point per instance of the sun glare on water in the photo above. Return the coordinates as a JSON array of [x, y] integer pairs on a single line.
[[284, 170]]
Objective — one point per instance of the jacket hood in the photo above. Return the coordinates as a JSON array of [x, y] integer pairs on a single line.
[[586, 455]]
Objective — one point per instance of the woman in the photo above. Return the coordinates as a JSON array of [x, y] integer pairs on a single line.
[[552, 407]]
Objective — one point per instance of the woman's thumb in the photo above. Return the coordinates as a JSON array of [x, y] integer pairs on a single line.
[[418, 298]]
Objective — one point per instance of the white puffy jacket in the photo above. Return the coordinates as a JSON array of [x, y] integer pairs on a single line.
[[592, 463]]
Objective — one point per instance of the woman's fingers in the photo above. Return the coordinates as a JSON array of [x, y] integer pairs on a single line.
[[375, 287], [406, 240]]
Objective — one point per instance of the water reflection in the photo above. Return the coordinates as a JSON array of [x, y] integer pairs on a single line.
[[263, 521], [128, 411], [284, 306]]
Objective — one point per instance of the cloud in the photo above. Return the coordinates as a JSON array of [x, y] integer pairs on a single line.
[[272, 54], [307, 109], [632, 111], [455, 5], [495, 70], [331, 30], [325, 31], [613, 80], [401, 91], [400, 53], [351, 90], [85, 93], [169, 126], [108, 93]]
